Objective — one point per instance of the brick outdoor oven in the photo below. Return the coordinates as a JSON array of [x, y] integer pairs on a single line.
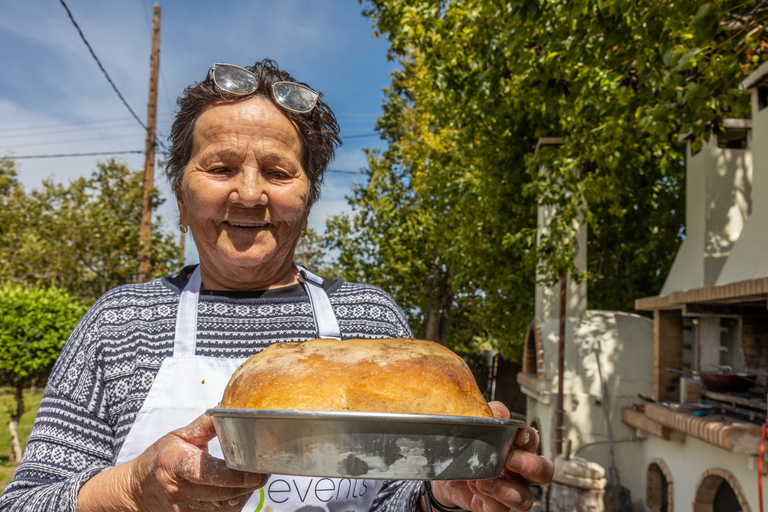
[[710, 326]]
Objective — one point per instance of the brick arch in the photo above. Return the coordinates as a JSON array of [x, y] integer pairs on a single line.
[[656, 473], [707, 487], [533, 352]]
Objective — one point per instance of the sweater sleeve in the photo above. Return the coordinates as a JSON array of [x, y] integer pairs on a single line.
[[70, 440], [398, 496]]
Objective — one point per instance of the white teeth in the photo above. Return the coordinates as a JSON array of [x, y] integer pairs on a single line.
[[247, 224]]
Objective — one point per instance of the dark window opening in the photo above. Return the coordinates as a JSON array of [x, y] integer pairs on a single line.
[[725, 499], [732, 138], [657, 491], [762, 96]]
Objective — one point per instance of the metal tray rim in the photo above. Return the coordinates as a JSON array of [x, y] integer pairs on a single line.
[[364, 416]]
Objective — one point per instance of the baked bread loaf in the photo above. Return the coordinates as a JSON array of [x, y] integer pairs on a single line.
[[384, 375]]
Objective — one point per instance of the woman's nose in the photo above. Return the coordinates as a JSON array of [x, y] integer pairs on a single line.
[[250, 189]]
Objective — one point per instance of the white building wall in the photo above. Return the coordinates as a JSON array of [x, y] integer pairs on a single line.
[[719, 195], [748, 256], [689, 459], [626, 345]]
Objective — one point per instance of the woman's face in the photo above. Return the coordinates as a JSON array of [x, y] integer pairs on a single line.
[[245, 195]]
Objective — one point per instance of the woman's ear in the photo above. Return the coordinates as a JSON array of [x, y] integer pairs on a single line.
[[182, 210], [306, 217]]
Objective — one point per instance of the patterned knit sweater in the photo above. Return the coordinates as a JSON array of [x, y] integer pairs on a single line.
[[107, 367]]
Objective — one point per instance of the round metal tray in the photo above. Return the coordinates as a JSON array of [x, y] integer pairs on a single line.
[[364, 444]]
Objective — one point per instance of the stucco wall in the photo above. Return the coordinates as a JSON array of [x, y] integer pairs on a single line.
[[626, 345], [689, 460], [718, 202], [747, 259]]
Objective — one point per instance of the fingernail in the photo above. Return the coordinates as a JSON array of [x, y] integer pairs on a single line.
[[488, 485], [513, 461], [252, 479], [233, 502], [527, 437], [216, 504]]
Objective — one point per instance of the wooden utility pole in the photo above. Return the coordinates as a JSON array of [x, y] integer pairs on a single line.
[[145, 233], [560, 411]]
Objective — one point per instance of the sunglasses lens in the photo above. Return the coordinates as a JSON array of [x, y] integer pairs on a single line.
[[234, 79], [294, 96]]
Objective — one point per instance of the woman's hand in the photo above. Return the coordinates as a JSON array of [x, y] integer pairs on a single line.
[[510, 491], [175, 474]]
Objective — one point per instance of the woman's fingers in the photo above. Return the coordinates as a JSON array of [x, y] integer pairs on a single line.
[[197, 433], [527, 438], [497, 495], [455, 493], [531, 467], [177, 473], [511, 491], [499, 410], [201, 468], [500, 494]]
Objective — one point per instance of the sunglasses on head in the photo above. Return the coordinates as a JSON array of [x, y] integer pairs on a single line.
[[289, 95]]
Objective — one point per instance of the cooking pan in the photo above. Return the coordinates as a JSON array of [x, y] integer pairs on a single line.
[[727, 383], [378, 446], [721, 382]]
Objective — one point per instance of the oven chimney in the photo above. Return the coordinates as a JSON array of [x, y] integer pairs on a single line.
[[718, 201], [548, 297], [748, 256]]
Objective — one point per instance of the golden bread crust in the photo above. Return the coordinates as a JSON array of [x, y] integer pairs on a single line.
[[385, 375]]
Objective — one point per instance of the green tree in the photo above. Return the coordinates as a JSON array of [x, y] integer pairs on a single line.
[[82, 236], [479, 83], [310, 252], [34, 325]]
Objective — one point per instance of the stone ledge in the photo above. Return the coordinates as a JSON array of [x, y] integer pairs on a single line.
[[532, 382], [734, 436], [637, 419]]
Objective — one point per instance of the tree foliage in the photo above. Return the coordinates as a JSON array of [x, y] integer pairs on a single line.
[[34, 325], [446, 220], [82, 236]]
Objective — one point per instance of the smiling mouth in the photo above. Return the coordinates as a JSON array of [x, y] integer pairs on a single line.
[[247, 225]]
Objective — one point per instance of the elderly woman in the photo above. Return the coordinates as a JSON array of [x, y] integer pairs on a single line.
[[120, 425]]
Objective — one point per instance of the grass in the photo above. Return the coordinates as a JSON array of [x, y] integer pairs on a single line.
[[7, 407]]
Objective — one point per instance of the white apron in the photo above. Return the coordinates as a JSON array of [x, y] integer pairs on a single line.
[[187, 384]]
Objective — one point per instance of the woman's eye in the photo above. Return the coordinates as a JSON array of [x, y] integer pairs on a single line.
[[278, 174], [220, 170]]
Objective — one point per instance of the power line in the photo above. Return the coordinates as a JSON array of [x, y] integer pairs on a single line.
[[335, 171], [60, 132], [17, 129], [82, 36], [360, 136], [63, 155], [54, 143]]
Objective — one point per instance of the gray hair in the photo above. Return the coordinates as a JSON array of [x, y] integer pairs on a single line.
[[318, 129]]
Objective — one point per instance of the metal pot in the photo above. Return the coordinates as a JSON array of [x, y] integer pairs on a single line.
[[721, 382], [727, 383]]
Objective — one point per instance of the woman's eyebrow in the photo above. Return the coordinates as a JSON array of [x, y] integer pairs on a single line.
[[220, 154], [281, 160]]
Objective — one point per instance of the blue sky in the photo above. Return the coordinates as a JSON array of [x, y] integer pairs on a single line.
[[54, 99]]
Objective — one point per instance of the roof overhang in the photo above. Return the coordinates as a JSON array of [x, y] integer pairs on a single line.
[[750, 291], [754, 78]]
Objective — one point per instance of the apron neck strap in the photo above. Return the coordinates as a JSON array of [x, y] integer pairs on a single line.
[[185, 340], [326, 324]]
